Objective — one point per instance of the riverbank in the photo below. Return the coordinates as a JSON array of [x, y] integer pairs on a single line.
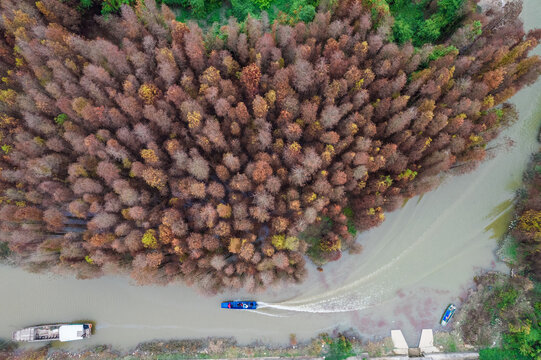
[[336, 346], [324, 346], [502, 314]]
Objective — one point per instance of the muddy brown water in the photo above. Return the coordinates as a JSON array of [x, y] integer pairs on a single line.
[[421, 259]]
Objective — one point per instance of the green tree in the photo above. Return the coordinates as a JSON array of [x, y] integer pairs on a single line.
[[402, 31], [449, 8], [428, 32], [61, 118], [526, 338], [242, 8], [112, 6], [339, 348], [198, 8], [306, 12], [4, 250], [416, 21]]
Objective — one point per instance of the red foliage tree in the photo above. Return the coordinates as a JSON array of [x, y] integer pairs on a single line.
[[172, 155]]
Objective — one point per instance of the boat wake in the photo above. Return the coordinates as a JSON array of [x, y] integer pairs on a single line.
[[139, 326], [331, 305], [268, 313], [375, 282]]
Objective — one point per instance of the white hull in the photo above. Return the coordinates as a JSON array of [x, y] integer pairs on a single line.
[[61, 332]]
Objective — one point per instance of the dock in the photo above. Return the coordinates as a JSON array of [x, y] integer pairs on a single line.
[[426, 344]]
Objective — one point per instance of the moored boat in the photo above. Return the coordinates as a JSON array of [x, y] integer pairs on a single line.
[[60, 332], [448, 314], [240, 305]]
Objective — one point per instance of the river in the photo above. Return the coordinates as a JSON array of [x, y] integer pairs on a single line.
[[422, 258]]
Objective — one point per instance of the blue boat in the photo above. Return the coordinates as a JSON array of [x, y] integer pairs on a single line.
[[448, 314], [240, 305]]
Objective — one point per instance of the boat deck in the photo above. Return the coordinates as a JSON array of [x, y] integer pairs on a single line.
[[45, 333]]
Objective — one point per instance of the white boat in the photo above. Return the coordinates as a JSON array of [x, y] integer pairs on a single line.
[[60, 332]]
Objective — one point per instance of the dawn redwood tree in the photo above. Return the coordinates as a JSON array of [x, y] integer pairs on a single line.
[[154, 149]]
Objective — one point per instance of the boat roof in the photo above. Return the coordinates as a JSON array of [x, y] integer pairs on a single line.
[[71, 332]]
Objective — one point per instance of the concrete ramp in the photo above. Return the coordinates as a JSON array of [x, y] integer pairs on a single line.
[[426, 344], [399, 342], [453, 356]]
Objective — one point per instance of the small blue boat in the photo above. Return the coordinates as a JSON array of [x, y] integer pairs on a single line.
[[240, 305], [448, 314]]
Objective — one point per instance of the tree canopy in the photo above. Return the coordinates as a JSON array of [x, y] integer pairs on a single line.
[[145, 145]]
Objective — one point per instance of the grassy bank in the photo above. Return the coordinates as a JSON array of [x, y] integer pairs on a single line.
[[335, 347]]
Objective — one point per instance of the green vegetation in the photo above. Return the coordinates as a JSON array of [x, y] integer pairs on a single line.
[[351, 225], [109, 6], [508, 250], [6, 148], [312, 236], [197, 9], [4, 250], [449, 342], [7, 345], [338, 348], [321, 249], [61, 118], [105, 6], [506, 298], [520, 342], [417, 21], [499, 354], [407, 174], [526, 340], [218, 11], [499, 303], [441, 51]]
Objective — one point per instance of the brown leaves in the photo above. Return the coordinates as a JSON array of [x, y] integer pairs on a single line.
[[234, 245], [260, 107], [262, 170], [249, 78], [155, 177], [246, 251], [203, 152], [224, 211], [166, 235]]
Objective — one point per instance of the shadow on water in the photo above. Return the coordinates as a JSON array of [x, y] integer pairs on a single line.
[[503, 214]]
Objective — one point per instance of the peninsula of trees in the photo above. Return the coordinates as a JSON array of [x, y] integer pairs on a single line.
[[138, 143]]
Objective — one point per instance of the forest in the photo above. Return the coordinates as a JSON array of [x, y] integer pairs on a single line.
[[137, 143]]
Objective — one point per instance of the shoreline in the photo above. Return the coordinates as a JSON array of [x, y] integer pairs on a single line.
[[339, 344]]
